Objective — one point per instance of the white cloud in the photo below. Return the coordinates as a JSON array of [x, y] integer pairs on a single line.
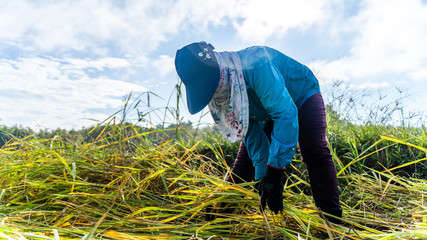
[[58, 92], [338, 70], [87, 39], [67, 24], [263, 19], [98, 64], [164, 65], [420, 74], [370, 85], [391, 36], [136, 27]]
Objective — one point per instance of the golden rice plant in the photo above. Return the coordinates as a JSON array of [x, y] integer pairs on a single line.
[[122, 186]]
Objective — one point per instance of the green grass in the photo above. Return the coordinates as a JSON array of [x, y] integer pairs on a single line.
[[120, 185], [122, 181]]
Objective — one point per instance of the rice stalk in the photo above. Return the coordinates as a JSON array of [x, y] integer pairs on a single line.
[[104, 189]]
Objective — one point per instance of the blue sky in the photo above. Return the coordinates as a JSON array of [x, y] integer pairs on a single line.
[[67, 63]]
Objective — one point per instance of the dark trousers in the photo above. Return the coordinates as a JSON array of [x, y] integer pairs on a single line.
[[315, 154]]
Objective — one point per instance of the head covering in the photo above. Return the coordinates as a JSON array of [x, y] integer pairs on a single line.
[[198, 69]]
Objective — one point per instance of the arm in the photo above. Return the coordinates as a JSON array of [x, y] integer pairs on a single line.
[[269, 86], [258, 147]]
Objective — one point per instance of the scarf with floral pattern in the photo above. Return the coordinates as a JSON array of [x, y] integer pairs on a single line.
[[229, 106]]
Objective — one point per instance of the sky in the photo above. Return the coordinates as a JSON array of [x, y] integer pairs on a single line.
[[70, 64]]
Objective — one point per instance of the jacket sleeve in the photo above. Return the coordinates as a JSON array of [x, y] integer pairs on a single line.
[[257, 145], [269, 86]]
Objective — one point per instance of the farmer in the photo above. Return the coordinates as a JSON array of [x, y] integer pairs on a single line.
[[271, 102]]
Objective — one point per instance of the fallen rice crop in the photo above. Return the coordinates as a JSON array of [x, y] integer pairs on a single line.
[[124, 187]]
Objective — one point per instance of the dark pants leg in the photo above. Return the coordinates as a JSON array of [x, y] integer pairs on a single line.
[[314, 150], [243, 170], [317, 156]]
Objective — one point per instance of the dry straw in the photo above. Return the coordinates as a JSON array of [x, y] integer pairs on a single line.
[[122, 187]]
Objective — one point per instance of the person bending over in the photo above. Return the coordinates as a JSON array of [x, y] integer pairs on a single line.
[[269, 102]]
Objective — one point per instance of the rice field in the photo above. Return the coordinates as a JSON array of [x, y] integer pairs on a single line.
[[120, 185]]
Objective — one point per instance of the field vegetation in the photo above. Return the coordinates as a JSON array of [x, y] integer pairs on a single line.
[[136, 180]]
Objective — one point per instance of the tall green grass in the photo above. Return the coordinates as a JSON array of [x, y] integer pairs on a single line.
[[359, 122], [106, 190], [129, 182]]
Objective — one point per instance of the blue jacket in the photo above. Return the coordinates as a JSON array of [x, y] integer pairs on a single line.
[[277, 86]]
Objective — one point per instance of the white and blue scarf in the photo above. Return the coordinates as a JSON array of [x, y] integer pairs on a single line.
[[229, 106]]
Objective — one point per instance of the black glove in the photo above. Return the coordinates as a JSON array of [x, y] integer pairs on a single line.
[[271, 190]]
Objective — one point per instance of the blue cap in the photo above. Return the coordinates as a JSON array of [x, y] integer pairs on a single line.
[[198, 69]]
